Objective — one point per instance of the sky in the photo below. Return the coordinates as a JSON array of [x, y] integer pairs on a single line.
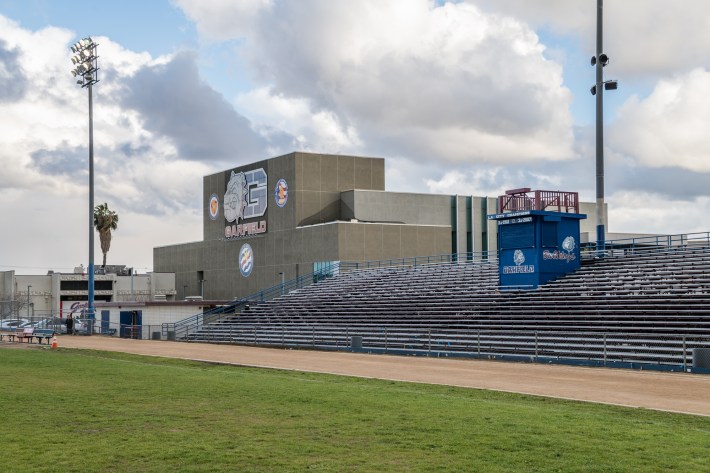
[[470, 97]]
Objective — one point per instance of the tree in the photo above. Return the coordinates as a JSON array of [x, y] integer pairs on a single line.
[[105, 221]]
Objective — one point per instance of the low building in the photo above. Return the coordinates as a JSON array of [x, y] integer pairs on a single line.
[[60, 294]]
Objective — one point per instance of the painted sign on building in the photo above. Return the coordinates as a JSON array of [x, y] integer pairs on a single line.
[[246, 198]]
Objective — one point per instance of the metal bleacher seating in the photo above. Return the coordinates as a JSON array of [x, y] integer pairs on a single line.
[[632, 306]]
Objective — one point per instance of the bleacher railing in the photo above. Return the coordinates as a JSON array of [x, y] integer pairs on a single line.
[[622, 349], [645, 244], [180, 330], [482, 256]]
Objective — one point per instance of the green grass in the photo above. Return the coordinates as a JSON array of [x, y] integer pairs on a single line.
[[68, 410]]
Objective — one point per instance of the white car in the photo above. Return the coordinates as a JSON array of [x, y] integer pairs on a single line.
[[12, 324]]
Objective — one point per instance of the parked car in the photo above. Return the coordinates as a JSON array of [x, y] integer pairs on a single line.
[[57, 324], [54, 323], [12, 324]]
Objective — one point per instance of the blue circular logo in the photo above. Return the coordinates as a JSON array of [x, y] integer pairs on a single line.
[[246, 260], [281, 193], [214, 206]]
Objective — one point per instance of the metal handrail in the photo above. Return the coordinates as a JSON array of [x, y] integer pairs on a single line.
[[481, 256], [180, 329], [652, 243]]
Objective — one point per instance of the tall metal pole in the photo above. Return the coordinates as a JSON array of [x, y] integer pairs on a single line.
[[600, 135], [86, 71], [28, 302], [91, 211]]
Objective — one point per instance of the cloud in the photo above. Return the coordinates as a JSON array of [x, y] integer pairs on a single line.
[[174, 102], [425, 80], [67, 161], [647, 212], [669, 128], [640, 36], [219, 20], [12, 79]]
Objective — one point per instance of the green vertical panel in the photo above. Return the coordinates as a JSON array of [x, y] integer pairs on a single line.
[[453, 224], [484, 224], [469, 228]]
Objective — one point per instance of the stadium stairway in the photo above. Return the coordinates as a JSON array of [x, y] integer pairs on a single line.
[[637, 307]]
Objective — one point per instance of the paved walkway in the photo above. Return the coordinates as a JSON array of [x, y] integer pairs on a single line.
[[674, 392]]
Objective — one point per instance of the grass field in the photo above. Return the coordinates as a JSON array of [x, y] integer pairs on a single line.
[[69, 410]]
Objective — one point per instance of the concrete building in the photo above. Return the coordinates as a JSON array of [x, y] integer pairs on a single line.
[[286, 216], [59, 294]]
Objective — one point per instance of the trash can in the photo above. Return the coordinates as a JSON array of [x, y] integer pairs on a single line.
[[171, 335], [356, 343], [701, 357], [156, 336]]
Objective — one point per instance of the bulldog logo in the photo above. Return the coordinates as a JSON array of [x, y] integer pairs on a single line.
[[235, 199]]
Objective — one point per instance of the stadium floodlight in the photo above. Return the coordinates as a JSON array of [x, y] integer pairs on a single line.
[[86, 61], [608, 85], [603, 60], [599, 61]]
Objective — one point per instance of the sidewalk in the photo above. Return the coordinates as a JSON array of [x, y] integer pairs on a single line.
[[673, 392]]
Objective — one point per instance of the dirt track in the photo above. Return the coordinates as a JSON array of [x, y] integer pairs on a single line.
[[675, 392]]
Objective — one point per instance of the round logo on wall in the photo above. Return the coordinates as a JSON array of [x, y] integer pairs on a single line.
[[281, 193], [246, 260], [214, 206]]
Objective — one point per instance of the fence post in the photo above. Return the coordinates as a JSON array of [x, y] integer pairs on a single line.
[[254, 334], [385, 339], [283, 336], [604, 349], [313, 327], [685, 362], [429, 350], [478, 336], [535, 345]]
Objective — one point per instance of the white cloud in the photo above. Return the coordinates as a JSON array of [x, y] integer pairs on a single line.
[[446, 82], [646, 212], [670, 126], [219, 20], [317, 131], [640, 36]]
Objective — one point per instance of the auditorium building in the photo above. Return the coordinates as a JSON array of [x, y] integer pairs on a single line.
[[277, 219]]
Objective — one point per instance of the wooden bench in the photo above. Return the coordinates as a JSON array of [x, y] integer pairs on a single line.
[[24, 334], [9, 335]]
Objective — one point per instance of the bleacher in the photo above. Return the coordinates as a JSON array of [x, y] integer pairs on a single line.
[[632, 306]]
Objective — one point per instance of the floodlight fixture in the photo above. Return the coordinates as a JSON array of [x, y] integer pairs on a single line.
[[86, 61], [608, 85], [603, 60]]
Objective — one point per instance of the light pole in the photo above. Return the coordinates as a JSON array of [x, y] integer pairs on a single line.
[[86, 73], [599, 61], [28, 302]]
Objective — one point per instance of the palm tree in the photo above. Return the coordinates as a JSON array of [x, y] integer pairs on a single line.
[[105, 220]]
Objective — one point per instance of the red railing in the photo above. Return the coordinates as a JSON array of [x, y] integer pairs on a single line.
[[517, 200]]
